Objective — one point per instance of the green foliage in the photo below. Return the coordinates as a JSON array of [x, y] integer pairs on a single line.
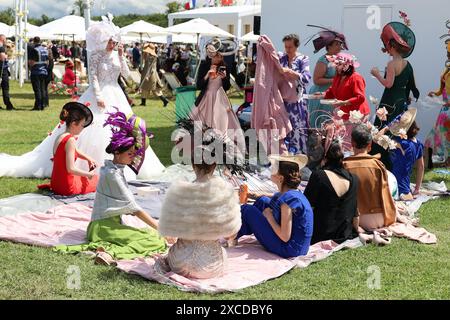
[[7, 16]]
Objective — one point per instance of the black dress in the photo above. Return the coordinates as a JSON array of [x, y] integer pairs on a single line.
[[333, 216]]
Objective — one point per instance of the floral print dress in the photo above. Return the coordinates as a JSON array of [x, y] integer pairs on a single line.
[[439, 137], [298, 111]]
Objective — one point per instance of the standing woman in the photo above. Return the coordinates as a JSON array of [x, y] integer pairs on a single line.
[[439, 137], [324, 73], [150, 81], [213, 108], [399, 42], [349, 91], [296, 68]]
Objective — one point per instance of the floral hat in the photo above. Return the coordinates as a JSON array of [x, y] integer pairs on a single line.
[[344, 59], [126, 132]]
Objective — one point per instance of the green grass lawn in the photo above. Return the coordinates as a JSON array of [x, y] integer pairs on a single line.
[[408, 270]]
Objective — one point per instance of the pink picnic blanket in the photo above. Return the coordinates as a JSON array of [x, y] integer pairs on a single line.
[[248, 263]]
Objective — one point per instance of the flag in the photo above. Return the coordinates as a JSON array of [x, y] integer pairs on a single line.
[[190, 4], [227, 2]]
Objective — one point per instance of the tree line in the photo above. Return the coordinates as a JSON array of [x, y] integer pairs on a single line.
[[8, 16]]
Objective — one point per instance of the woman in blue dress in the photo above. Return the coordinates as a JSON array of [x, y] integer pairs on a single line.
[[282, 224], [324, 72], [296, 68]]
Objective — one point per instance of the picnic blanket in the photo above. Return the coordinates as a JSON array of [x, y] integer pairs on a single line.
[[249, 264]]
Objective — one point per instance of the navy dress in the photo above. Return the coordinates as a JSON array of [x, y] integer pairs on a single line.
[[254, 222], [402, 164]]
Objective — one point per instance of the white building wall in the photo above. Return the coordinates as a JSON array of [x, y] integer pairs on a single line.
[[352, 17]]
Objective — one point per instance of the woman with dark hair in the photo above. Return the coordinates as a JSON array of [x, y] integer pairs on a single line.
[[324, 72], [296, 68], [332, 193], [66, 178], [107, 235], [399, 41], [213, 108], [282, 224], [348, 91]]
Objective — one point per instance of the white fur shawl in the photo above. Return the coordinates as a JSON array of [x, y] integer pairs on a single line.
[[200, 211]]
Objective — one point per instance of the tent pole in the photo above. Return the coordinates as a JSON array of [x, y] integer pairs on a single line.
[[74, 63], [198, 59]]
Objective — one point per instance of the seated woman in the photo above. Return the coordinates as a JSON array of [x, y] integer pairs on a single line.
[[69, 76], [105, 233], [66, 179], [199, 213], [282, 224], [331, 192], [408, 152]]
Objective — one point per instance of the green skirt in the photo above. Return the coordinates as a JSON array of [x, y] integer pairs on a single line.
[[120, 241]]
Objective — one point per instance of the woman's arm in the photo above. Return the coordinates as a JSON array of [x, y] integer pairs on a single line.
[[226, 83], [359, 92], [70, 160], [202, 80], [419, 175], [319, 75], [387, 82], [284, 230], [84, 156], [144, 216]]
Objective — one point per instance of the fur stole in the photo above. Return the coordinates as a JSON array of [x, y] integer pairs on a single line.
[[200, 211]]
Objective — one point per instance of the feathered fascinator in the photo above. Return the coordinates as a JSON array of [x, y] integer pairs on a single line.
[[325, 38], [100, 33], [213, 145], [126, 132]]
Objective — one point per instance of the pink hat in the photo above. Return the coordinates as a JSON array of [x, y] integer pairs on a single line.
[[345, 59]]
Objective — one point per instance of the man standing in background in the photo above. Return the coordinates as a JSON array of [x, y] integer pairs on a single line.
[[4, 73], [38, 61]]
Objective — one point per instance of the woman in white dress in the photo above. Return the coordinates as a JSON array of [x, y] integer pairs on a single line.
[[104, 95]]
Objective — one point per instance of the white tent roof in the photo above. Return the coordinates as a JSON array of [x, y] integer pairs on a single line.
[[5, 29], [250, 37], [176, 38], [142, 27], [199, 27], [65, 27], [209, 12]]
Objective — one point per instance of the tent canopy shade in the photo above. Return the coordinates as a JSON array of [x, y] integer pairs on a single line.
[[142, 28], [67, 27], [199, 27]]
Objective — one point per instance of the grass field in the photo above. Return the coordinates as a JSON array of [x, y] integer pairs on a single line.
[[408, 270]]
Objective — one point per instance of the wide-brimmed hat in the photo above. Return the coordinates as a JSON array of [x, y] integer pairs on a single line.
[[150, 48], [325, 38], [299, 159], [222, 46], [343, 59], [128, 131], [73, 105], [401, 34], [401, 124]]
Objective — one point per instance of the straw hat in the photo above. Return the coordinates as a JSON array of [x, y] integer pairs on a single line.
[[299, 159], [403, 121], [150, 48]]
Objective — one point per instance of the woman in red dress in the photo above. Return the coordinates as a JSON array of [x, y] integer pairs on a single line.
[[349, 92], [67, 179], [69, 76]]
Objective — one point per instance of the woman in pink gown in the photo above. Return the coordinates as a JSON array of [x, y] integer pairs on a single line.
[[213, 108]]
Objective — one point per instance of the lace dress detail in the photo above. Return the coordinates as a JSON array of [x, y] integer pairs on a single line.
[[197, 259], [105, 68]]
